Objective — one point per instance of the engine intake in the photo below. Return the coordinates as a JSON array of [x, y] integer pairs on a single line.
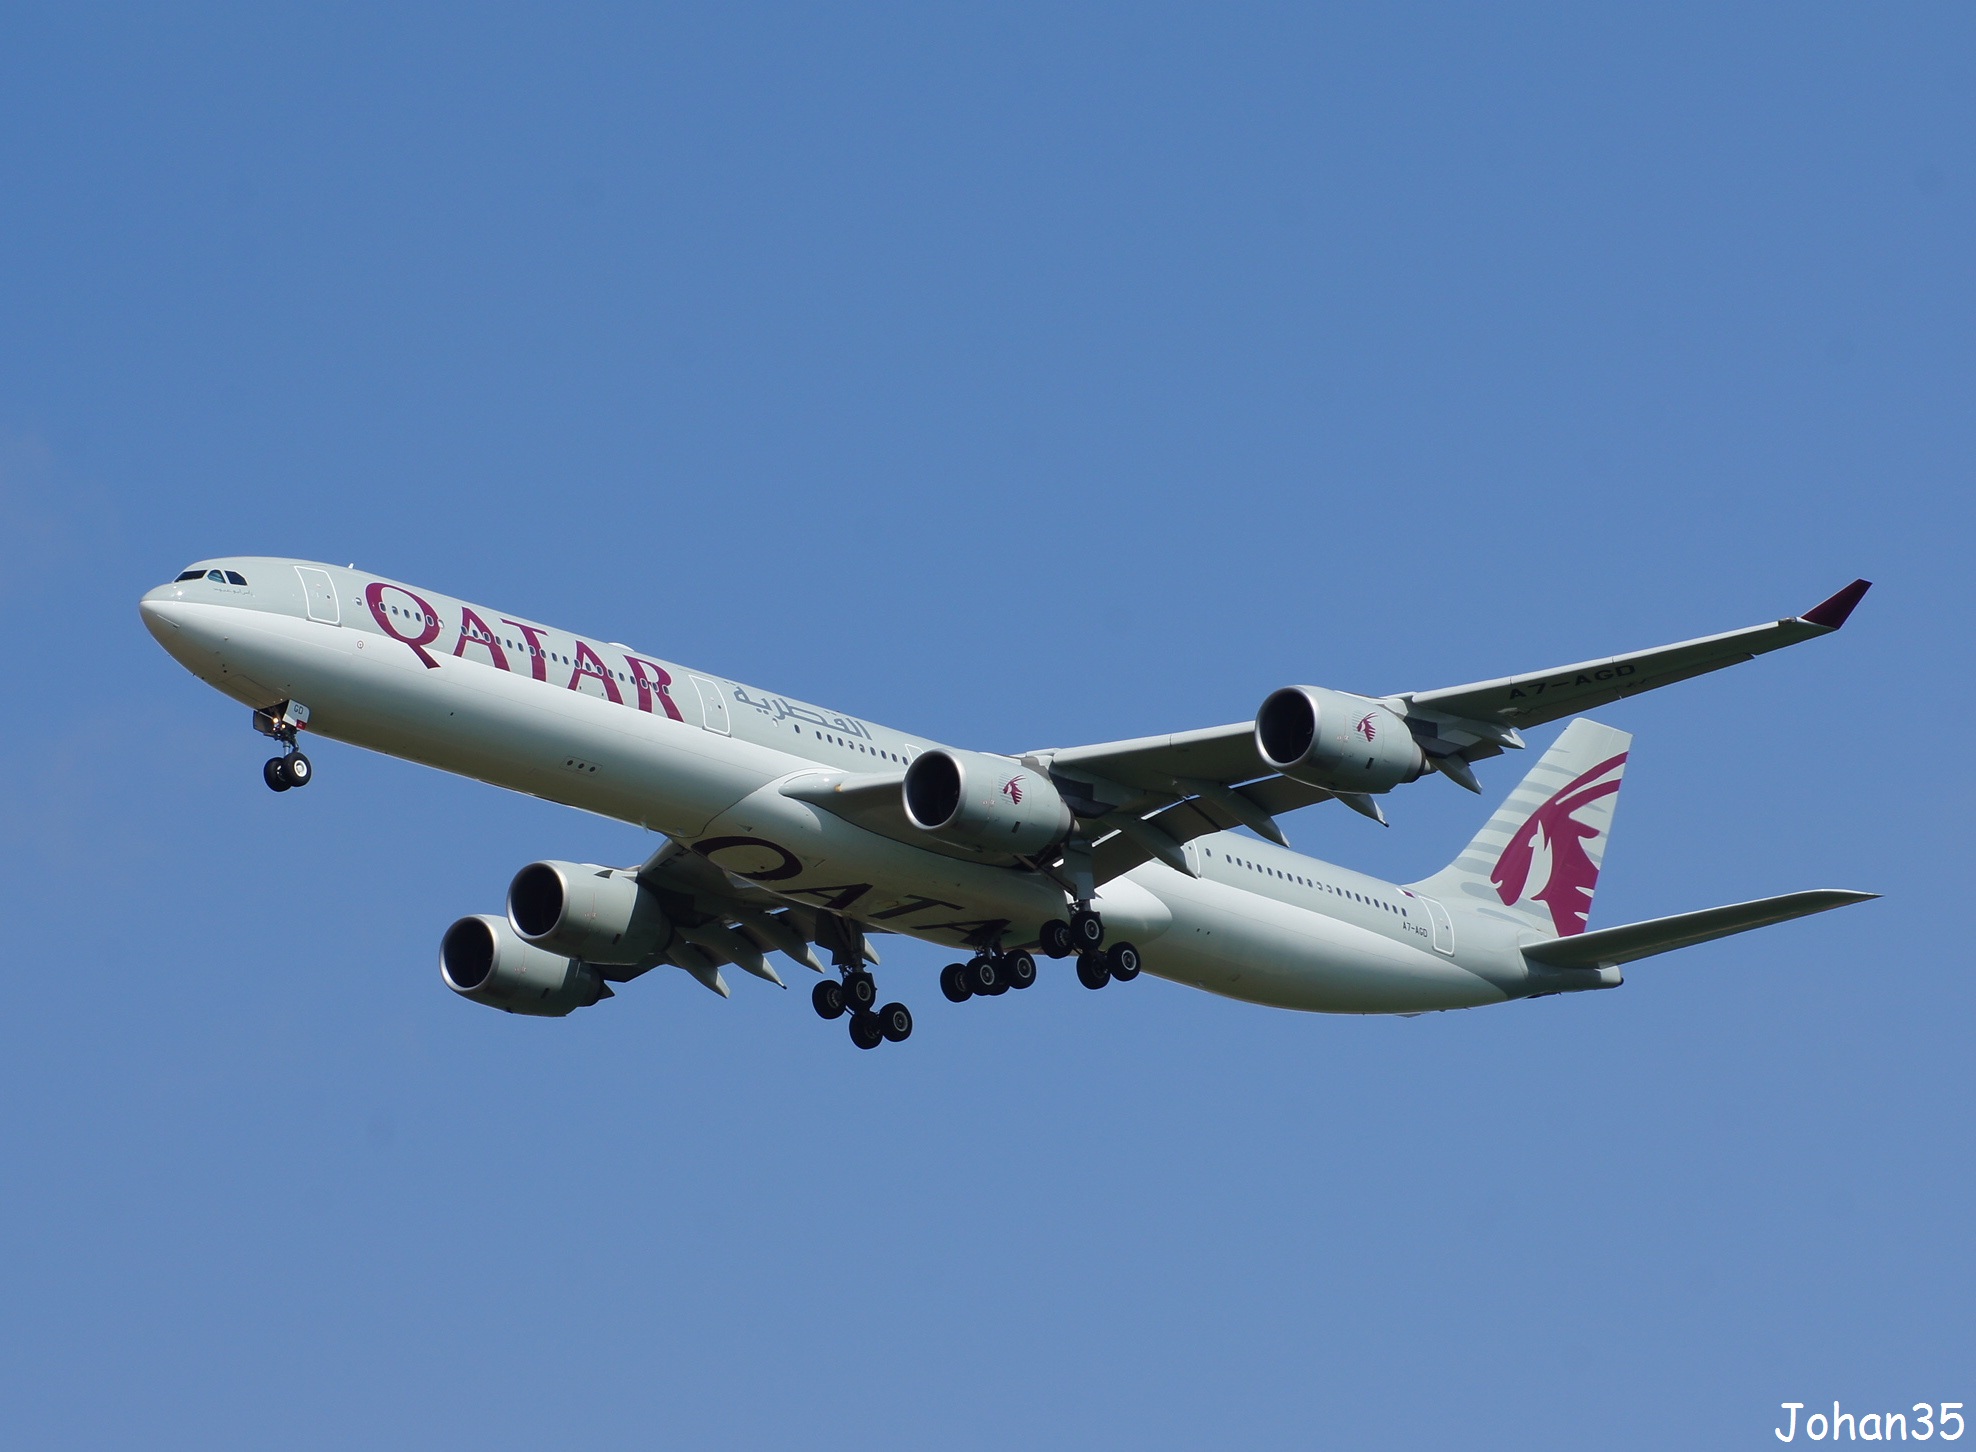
[[581, 910], [1341, 742], [989, 803], [481, 958]]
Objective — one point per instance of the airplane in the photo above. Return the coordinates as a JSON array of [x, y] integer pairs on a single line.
[[790, 827]]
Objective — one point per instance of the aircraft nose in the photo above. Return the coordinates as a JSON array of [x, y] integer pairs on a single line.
[[158, 607]]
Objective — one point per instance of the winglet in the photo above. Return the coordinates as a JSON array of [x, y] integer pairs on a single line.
[[1832, 613]]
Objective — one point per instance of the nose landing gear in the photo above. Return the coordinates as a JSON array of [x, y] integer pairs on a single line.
[[283, 722], [283, 772]]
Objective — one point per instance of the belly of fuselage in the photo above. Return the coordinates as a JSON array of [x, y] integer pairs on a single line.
[[1243, 945]]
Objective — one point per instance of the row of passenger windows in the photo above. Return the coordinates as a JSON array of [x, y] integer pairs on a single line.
[[218, 577], [516, 646], [1318, 886], [854, 745]]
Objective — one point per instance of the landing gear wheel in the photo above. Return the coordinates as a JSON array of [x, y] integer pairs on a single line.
[[1056, 938], [1091, 970], [1020, 968], [1122, 961], [1087, 930], [866, 1032], [953, 983], [298, 770], [827, 998], [984, 976], [860, 990], [275, 774], [895, 1021]]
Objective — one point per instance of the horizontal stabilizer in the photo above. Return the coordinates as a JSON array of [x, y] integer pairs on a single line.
[[1684, 930]]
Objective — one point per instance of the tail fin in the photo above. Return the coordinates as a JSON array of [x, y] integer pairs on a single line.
[[1538, 858]]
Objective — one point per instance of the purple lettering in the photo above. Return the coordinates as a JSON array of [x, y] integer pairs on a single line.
[[428, 620], [474, 631], [589, 664], [655, 684]]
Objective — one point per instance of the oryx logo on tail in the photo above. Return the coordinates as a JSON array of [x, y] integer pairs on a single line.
[[1567, 842]]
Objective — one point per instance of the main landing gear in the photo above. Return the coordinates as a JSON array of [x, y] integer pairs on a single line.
[[282, 722], [1120, 961], [987, 975], [1084, 935], [857, 994]]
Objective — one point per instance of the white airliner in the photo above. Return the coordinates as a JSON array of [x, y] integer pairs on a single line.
[[789, 825]]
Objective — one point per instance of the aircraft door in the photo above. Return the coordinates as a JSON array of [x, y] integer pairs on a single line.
[[320, 593], [1444, 928], [713, 704]]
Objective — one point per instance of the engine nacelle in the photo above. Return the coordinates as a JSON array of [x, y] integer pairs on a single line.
[[581, 910], [1341, 742], [482, 959], [989, 803]]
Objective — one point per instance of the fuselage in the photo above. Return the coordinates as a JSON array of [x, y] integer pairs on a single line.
[[598, 725]]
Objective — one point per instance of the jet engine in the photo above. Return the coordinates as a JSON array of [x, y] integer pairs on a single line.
[[1341, 742], [581, 910], [482, 959], [989, 803]]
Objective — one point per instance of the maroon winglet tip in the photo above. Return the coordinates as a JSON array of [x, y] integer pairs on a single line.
[[1832, 613]]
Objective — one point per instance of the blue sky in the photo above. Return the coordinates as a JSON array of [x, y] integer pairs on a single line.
[[1022, 377]]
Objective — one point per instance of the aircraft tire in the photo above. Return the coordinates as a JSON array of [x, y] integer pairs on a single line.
[[827, 998], [1091, 970], [895, 1021], [275, 774], [1020, 968], [299, 770], [860, 991], [1056, 939], [984, 976], [1087, 930], [1122, 961], [953, 983], [865, 1030]]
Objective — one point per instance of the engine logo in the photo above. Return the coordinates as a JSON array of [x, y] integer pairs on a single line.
[[1012, 789], [1365, 727]]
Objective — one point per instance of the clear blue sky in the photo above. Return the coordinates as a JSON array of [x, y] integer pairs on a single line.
[[1023, 377]]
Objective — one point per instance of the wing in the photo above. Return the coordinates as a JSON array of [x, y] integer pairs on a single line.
[[722, 919], [1471, 721], [1540, 696], [1155, 793], [1152, 763]]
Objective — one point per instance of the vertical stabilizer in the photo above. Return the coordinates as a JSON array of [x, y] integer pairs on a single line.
[[1538, 858]]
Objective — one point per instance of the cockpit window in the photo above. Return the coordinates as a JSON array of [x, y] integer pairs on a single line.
[[234, 577], [190, 575], [218, 577]]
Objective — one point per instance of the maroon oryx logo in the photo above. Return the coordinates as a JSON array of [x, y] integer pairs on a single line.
[[1365, 727], [1568, 890], [1012, 789]]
